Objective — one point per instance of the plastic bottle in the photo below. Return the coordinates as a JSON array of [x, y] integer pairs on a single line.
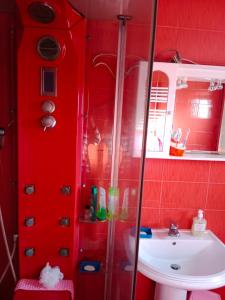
[[113, 203], [199, 224], [101, 213], [94, 202], [124, 210]]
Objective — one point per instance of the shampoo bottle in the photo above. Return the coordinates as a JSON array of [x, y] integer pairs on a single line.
[[94, 202], [101, 213], [199, 224], [113, 203]]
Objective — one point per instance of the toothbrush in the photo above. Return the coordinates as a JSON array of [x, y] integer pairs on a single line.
[[186, 137], [179, 135], [176, 135]]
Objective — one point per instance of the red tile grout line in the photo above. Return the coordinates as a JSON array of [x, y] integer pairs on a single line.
[[207, 190], [152, 180], [183, 208], [190, 28], [184, 181], [179, 181], [220, 183], [215, 210]]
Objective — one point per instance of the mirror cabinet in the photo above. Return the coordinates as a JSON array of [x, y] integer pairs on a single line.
[[187, 104]]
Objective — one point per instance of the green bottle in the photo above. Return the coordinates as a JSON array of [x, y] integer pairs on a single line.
[[101, 213], [94, 203], [113, 203]]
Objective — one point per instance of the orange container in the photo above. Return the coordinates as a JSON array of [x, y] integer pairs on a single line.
[[174, 151]]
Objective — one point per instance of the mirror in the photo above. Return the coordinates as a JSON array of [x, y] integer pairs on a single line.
[[187, 100]]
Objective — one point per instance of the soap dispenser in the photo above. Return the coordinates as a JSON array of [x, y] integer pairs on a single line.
[[199, 224]]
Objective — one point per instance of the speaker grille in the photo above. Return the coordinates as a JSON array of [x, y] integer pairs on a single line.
[[41, 12], [48, 48]]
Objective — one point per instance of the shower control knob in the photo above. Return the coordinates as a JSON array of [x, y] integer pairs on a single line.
[[48, 106], [48, 122]]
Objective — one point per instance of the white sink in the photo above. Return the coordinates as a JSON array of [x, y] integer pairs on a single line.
[[200, 263]]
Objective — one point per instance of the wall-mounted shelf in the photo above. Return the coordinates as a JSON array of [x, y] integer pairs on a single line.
[[210, 156]]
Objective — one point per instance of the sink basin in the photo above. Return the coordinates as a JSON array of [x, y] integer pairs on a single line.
[[186, 262]]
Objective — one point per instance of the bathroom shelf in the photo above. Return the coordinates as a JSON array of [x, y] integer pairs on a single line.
[[191, 156]]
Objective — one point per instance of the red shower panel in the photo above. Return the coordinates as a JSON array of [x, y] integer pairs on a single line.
[[50, 160]]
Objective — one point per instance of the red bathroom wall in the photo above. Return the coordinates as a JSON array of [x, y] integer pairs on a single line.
[[50, 159], [174, 190], [8, 176]]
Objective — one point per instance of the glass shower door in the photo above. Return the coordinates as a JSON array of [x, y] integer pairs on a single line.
[[119, 44], [128, 151]]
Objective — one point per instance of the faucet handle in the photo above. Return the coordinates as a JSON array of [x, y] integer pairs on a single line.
[[173, 226], [173, 230]]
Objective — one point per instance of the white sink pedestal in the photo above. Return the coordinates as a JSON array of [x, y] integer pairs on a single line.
[[165, 292]]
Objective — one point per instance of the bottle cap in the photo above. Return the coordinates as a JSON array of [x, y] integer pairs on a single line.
[[200, 214], [94, 190]]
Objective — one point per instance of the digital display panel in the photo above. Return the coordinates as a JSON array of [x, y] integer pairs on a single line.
[[48, 82]]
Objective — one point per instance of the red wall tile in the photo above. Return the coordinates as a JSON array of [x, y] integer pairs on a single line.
[[216, 197], [152, 194], [216, 222], [217, 172], [150, 217], [153, 169], [182, 217], [175, 170], [183, 195], [192, 14]]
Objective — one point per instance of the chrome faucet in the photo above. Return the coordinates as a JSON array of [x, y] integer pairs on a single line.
[[173, 230]]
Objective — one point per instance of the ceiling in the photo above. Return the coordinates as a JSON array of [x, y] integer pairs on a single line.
[[140, 10]]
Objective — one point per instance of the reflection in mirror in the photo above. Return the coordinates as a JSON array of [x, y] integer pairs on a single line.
[[199, 108], [158, 111]]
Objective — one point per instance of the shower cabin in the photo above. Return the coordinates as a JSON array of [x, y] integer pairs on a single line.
[[74, 119]]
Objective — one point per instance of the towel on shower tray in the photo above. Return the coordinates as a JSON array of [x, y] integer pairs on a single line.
[[27, 289]]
